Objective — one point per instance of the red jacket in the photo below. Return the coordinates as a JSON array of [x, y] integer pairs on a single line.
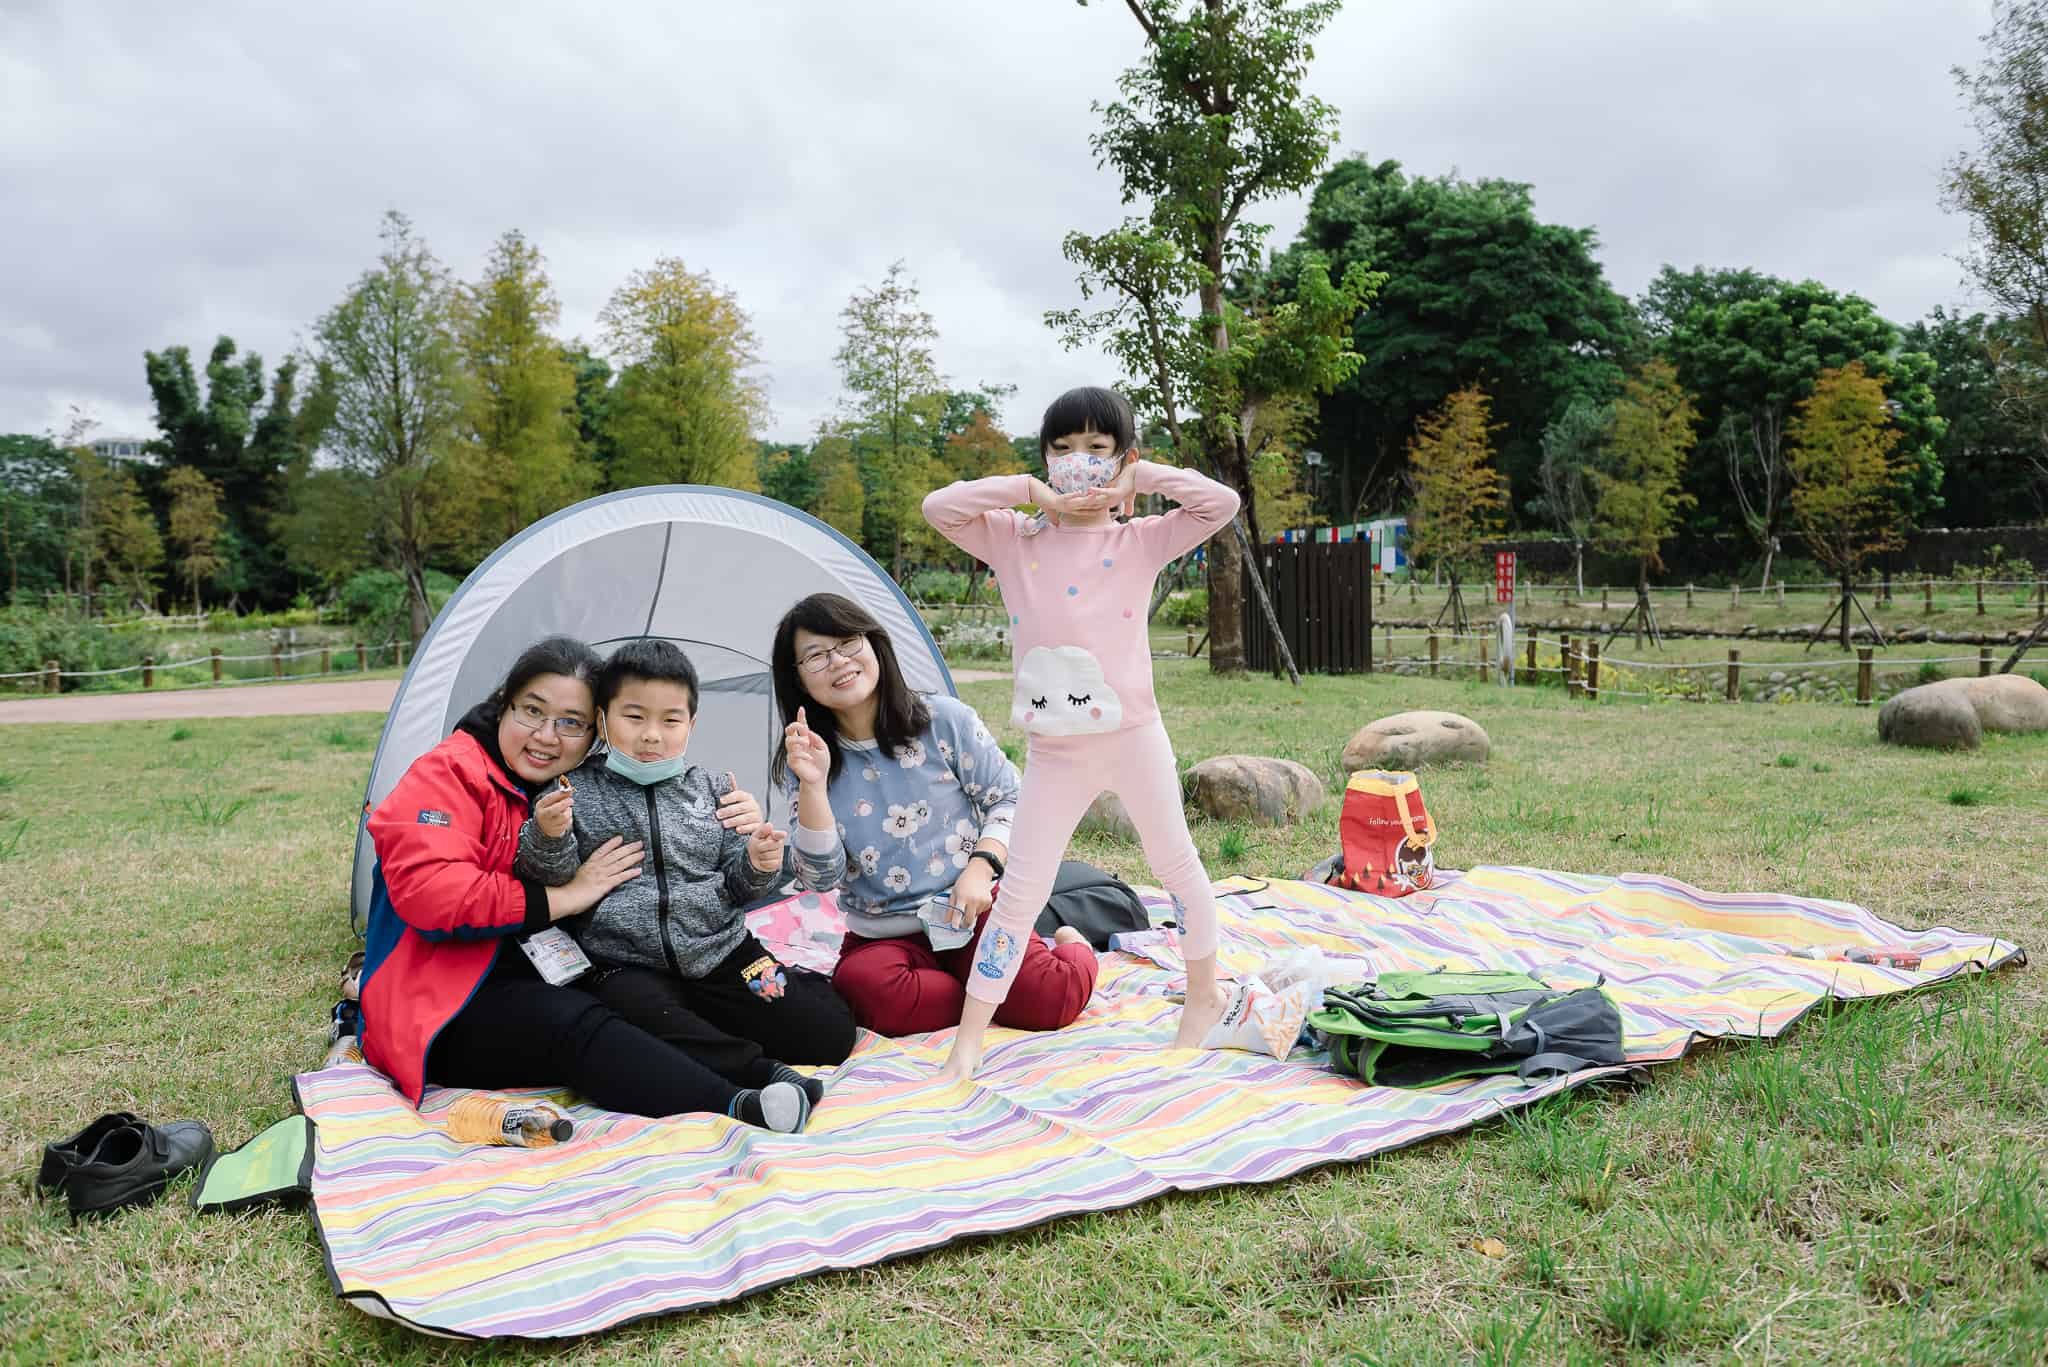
[[444, 900]]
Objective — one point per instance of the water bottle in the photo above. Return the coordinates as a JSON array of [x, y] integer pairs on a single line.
[[479, 1119]]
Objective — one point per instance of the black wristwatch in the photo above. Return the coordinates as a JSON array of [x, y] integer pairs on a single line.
[[993, 862]]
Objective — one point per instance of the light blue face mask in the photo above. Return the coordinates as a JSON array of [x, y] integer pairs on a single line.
[[644, 771]]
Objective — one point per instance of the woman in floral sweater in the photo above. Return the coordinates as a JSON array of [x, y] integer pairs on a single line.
[[903, 803]]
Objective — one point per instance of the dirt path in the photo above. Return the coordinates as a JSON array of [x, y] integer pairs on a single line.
[[249, 700]]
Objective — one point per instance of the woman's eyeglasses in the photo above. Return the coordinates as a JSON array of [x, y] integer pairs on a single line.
[[537, 719], [818, 661]]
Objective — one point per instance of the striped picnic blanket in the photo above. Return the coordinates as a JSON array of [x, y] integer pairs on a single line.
[[638, 1217]]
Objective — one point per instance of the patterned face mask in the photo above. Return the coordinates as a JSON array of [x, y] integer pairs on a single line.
[[1077, 472]]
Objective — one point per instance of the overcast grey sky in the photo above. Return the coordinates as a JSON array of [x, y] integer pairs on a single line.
[[172, 172]]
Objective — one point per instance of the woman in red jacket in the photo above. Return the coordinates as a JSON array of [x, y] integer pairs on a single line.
[[450, 992]]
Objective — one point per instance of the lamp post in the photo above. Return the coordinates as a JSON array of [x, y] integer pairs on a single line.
[[1314, 461]]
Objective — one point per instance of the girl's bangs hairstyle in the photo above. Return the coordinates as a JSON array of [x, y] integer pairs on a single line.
[[900, 715], [1088, 409]]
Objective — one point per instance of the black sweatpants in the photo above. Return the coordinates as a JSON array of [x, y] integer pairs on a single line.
[[518, 1031], [721, 1020]]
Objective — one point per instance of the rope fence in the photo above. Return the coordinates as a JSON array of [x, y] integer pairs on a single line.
[[2026, 595], [51, 676], [1580, 662]]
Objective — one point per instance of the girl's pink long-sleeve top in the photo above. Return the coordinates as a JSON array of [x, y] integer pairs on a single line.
[[1077, 595]]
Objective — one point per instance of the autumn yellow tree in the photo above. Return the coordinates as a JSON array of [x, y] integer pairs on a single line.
[[687, 403], [1636, 498], [196, 521], [842, 502], [520, 456], [1459, 495], [1845, 477]]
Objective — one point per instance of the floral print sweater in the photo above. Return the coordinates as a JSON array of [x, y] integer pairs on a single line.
[[906, 822]]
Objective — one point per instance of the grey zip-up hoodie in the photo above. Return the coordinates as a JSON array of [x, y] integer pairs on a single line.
[[683, 912]]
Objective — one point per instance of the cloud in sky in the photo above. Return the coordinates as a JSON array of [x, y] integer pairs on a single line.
[[170, 176]]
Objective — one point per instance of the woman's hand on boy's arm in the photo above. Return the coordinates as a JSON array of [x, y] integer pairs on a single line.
[[609, 865]]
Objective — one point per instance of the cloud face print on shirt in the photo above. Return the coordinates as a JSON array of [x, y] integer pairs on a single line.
[[1060, 691]]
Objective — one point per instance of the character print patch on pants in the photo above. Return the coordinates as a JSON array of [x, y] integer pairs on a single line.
[[999, 949], [765, 979]]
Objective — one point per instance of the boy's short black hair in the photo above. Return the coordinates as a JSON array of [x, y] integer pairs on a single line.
[[645, 658], [1089, 409]]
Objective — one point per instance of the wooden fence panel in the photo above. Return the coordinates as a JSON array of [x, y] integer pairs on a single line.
[[1322, 594]]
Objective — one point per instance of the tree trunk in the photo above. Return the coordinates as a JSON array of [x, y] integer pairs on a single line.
[[416, 590], [1846, 591], [1226, 604], [1579, 566], [1770, 550]]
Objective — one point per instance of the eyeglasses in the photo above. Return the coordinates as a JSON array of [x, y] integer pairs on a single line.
[[818, 661], [536, 719]]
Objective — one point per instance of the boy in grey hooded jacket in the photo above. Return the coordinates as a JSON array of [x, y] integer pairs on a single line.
[[671, 948]]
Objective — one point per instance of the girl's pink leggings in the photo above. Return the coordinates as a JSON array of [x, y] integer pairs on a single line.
[[1063, 776]]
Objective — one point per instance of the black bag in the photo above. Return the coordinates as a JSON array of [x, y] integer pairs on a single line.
[[1093, 903]]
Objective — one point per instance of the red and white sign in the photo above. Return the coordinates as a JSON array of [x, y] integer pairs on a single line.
[[1503, 576]]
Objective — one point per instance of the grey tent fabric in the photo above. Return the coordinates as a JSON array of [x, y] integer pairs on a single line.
[[711, 569]]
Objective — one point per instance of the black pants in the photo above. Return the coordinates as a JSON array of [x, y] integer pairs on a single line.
[[723, 1022], [517, 1031]]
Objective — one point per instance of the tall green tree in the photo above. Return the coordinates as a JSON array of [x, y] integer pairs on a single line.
[[520, 458], [1479, 291], [1637, 498], [894, 402], [2002, 188], [1571, 450], [686, 404], [1751, 361], [1994, 462], [1845, 475], [785, 473], [37, 505], [242, 434], [196, 521], [392, 349], [1213, 119]]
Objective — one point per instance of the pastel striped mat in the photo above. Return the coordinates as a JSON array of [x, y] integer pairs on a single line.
[[642, 1217]]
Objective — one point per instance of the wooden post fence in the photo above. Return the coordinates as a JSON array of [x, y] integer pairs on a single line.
[[276, 660], [400, 649], [1688, 597], [326, 660], [1432, 654], [1781, 593], [1734, 676], [1533, 676], [1735, 595], [1927, 597], [1482, 658], [51, 683], [1593, 670], [362, 660], [1980, 597], [1603, 598], [1983, 662], [1570, 664], [1863, 688], [149, 671], [214, 656]]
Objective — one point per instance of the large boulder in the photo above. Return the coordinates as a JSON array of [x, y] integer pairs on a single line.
[[2007, 702], [1107, 815], [1411, 740], [1935, 716], [1267, 792]]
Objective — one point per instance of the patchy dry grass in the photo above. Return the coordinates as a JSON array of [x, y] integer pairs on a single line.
[[1869, 1189]]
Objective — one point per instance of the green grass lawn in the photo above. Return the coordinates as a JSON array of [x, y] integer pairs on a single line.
[[173, 920]]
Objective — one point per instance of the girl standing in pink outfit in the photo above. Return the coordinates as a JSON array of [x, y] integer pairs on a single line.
[[1077, 584]]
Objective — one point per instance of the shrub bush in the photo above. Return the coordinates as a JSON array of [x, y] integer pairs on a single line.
[[375, 601], [1190, 609], [28, 637]]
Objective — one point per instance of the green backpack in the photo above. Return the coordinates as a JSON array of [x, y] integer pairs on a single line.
[[1419, 1029]]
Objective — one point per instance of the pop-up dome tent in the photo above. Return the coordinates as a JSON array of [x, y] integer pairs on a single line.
[[712, 570]]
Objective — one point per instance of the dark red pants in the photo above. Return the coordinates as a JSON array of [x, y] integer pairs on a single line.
[[902, 986]]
